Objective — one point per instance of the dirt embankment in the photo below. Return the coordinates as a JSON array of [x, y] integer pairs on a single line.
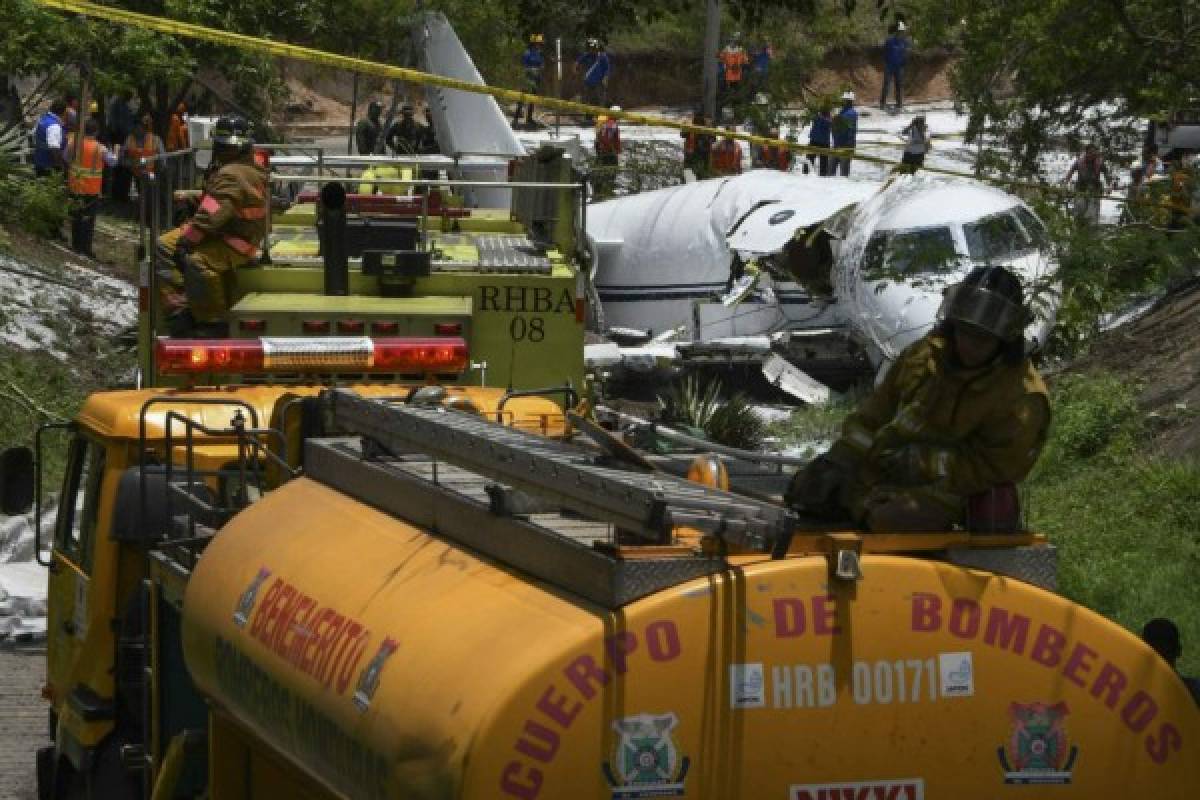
[[1158, 352]]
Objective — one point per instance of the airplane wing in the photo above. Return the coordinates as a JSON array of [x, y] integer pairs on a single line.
[[771, 226]]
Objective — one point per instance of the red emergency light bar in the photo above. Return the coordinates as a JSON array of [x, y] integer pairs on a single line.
[[324, 354]]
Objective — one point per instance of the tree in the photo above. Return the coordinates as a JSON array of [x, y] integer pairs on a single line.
[[1032, 70]]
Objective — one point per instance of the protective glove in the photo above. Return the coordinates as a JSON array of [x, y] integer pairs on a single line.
[[816, 489]]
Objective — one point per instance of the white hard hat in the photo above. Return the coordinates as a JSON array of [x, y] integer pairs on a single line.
[[848, 95], [900, 26], [614, 108]]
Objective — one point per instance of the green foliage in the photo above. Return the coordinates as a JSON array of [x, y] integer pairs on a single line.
[[1032, 70], [696, 404], [735, 424], [1093, 417], [1127, 525], [813, 424], [39, 205]]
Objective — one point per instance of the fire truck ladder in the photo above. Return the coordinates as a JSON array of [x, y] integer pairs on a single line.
[[564, 487]]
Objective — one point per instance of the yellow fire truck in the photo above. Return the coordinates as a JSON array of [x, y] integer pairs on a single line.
[[262, 592]]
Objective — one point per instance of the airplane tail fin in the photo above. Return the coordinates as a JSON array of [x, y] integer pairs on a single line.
[[466, 124]]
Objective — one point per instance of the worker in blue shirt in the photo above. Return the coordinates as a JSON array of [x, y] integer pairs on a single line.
[[534, 64], [895, 55], [845, 133], [819, 136], [594, 66], [49, 138], [760, 65]]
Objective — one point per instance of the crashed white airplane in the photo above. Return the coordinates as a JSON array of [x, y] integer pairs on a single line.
[[832, 275], [846, 268]]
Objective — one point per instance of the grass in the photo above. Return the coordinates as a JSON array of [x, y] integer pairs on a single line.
[[1126, 522]]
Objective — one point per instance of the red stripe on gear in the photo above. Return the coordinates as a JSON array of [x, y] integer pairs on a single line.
[[241, 246], [259, 212], [192, 234], [209, 203]]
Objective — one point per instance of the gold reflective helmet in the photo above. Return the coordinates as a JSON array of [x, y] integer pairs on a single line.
[[989, 299], [536, 38]]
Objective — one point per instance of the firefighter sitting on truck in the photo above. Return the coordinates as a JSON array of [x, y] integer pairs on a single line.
[[196, 261], [958, 420]]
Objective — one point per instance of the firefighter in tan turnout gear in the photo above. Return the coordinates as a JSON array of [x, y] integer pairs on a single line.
[[197, 261], [960, 418]]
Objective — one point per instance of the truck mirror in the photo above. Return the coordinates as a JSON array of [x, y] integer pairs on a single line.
[[16, 480]]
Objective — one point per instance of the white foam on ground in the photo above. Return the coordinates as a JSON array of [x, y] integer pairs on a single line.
[[40, 315], [23, 594]]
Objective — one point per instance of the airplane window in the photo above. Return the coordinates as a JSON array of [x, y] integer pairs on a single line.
[[996, 238], [909, 252]]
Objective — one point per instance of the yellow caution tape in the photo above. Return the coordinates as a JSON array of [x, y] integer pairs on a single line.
[[361, 66]]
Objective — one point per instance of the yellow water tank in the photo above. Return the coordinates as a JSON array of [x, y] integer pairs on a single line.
[[385, 662]]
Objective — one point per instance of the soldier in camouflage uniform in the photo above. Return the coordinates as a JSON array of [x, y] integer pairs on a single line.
[[196, 261]]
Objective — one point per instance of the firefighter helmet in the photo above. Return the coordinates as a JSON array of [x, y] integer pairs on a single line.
[[989, 299], [233, 131], [536, 38]]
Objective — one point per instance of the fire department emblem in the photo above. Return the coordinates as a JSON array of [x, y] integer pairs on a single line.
[[368, 681], [1038, 751], [241, 614], [646, 761]]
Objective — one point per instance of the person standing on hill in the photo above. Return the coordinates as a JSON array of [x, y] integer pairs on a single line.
[[48, 138], [895, 56], [85, 178], [534, 65], [819, 135], [727, 156], [697, 147], [733, 60], [917, 142], [404, 136], [845, 134], [594, 67], [608, 153], [1090, 173], [368, 132]]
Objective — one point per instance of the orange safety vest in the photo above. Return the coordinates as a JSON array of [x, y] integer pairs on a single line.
[[177, 135], [727, 157], [734, 60], [148, 148], [85, 174]]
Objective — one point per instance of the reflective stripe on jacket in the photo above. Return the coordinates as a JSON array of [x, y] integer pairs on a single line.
[[85, 175], [233, 208]]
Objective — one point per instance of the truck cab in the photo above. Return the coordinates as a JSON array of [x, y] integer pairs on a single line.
[[150, 472]]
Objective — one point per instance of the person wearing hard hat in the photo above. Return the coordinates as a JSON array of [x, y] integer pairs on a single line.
[[959, 419], [734, 59], [821, 135], [608, 152], [534, 64], [368, 131], [845, 134], [594, 67], [403, 138], [895, 56], [85, 180], [196, 262]]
